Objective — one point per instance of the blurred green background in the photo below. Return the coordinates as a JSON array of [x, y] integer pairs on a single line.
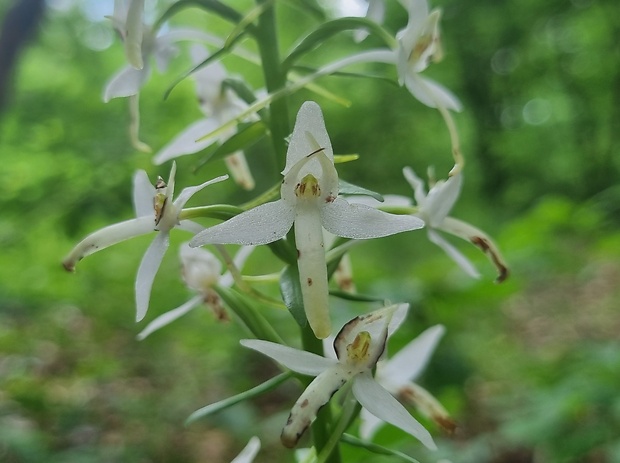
[[530, 369]]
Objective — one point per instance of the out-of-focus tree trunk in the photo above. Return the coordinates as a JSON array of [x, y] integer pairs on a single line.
[[18, 26]]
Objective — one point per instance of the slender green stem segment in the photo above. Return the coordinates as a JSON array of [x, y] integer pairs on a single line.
[[275, 79]]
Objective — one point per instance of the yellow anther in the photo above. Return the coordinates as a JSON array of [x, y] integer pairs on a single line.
[[357, 351], [308, 187]]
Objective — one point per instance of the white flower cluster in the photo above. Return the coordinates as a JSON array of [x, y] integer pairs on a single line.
[[312, 203]]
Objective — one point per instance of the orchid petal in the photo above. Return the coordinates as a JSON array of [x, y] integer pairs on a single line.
[[479, 239], [133, 33], [419, 192], [431, 93], [239, 170], [398, 318], [380, 403], [190, 226], [418, 13], [169, 317], [188, 192], [201, 269], [317, 394], [146, 272], [249, 452], [407, 364], [375, 13], [127, 82], [456, 255], [305, 363], [261, 225], [108, 236], [375, 324], [441, 199], [312, 267], [358, 221], [428, 405], [369, 424], [309, 134], [143, 194], [185, 142]]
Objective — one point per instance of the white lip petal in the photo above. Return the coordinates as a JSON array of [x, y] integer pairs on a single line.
[[380, 403], [108, 236], [407, 364], [146, 272], [143, 194], [169, 317], [358, 221], [263, 224], [185, 142], [297, 360]]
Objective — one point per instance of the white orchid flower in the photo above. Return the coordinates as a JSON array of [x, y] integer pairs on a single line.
[[250, 451], [141, 43], [358, 346], [201, 271], [310, 201], [434, 207], [219, 104], [397, 376], [419, 44], [155, 211]]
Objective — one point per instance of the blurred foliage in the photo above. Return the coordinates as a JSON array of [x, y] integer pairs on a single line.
[[530, 369]]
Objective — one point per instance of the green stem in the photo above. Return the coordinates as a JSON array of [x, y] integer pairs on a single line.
[[275, 79], [321, 428]]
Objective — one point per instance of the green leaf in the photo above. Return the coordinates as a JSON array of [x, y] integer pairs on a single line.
[[249, 314], [374, 448], [357, 75], [291, 294], [234, 400], [244, 138], [212, 57], [329, 29], [356, 296], [245, 24], [214, 211], [240, 88], [347, 188], [213, 6], [310, 7], [227, 48]]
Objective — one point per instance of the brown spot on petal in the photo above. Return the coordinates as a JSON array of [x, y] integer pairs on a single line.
[[298, 254], [309, 281], [304, 404]]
